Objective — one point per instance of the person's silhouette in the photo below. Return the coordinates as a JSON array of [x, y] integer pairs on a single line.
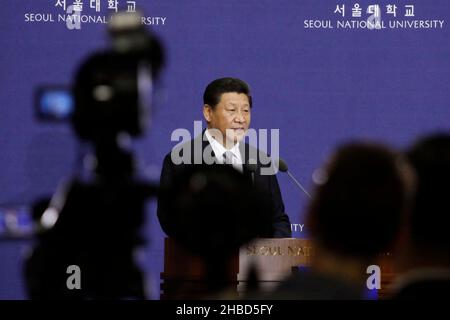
[[354, 216]]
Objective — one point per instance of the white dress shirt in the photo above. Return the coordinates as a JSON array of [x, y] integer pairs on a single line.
[[219, 151]]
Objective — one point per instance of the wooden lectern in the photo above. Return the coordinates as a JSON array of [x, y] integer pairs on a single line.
[[272, 259], [184, 273]]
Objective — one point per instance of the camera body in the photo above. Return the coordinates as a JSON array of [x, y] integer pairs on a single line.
[[95, 224], [112, 89]]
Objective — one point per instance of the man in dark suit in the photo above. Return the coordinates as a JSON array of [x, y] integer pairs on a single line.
[[227, 112]]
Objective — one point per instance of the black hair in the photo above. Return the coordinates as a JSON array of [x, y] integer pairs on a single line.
[[215, 89], [215, 203], [214, 210]]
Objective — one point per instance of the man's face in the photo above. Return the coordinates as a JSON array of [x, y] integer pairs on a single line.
[[231, 117]]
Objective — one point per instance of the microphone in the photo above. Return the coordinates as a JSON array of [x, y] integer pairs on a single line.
[[282, 166]]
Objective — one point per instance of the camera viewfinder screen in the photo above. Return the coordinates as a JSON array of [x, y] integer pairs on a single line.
[[55, 104]]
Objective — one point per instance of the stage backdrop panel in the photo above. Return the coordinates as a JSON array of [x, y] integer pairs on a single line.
[[318, 73]]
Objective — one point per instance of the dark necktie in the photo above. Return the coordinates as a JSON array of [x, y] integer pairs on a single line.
[[228, 158]]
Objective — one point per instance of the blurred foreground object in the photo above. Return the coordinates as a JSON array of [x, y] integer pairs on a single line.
[[92, 222]]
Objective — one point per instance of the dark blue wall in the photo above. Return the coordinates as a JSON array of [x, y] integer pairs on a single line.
[[319, 87]]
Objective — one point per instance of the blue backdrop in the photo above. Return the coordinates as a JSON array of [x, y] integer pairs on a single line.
[[319, 86]]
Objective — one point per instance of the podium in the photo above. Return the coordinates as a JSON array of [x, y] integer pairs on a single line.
[[272, 259]]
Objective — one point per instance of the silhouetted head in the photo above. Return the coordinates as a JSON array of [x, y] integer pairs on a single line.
[[214, 210], [356, 211], [430, 158]]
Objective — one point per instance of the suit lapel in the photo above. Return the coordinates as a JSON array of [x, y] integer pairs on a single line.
[[203, 141]]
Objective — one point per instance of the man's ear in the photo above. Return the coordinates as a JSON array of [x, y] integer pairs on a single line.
[[207, 110]]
